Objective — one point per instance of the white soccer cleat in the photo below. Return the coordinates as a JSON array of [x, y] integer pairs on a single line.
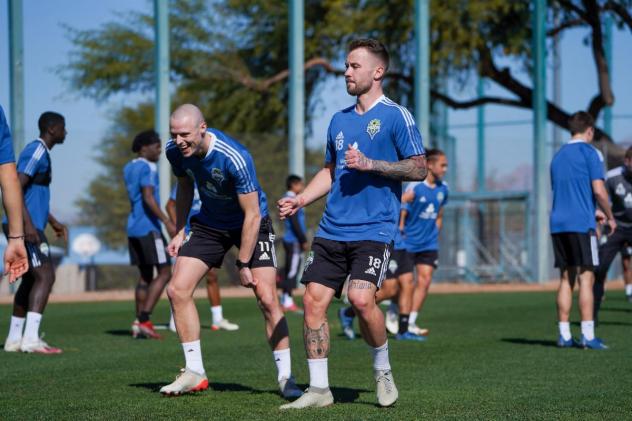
[[224, 325], [392, 322], [289, 389], [386, 390], [186, 382], [12, 346], [135, 329], [312, 398], [38, 346], [417, 330]]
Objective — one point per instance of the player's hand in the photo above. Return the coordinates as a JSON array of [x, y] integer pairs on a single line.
[[600, 217], [288, 206], [31, 235], [61, 230], [613, 225], [15, 261], [171, 228], [356, 160], [176, 242], [246, 278]]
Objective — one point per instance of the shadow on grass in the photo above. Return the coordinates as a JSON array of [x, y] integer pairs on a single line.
[[523, 341], [617, 309], [605, 323], [341, 394], [119, 332]]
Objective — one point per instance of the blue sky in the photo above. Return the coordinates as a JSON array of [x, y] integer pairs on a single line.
[[46, 47]]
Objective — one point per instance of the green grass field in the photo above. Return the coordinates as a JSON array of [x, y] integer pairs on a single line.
[[489, 356]]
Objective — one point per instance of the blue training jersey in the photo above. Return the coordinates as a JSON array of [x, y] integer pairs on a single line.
[[573, 169], [137, 174], [363, 205], [226, 171], [290, 236], [6, 142], [196, 204], [34, 161], [420, 229]]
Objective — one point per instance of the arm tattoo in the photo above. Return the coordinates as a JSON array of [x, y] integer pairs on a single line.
[[316, 341], [358, 284], [411, 169]]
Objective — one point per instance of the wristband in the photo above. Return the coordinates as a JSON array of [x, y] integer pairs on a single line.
[[240, 265]]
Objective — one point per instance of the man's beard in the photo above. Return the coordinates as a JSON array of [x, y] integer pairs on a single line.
[[357, 89]]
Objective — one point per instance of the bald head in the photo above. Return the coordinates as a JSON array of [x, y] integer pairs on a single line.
[[188, 112], [188, 130]]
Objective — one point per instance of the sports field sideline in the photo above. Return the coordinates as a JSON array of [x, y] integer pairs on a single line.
[[488, 356]]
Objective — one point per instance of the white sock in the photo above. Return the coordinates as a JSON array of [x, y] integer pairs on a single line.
[[283, 362], [318, 373], [565, 330], [216, 311], [412, 318], [588, 329], [193, 356], [31, 330], [380, 357], [628, 289], [15, 328]]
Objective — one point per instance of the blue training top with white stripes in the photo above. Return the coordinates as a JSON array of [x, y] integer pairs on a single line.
[[226, 171], [363, 205]]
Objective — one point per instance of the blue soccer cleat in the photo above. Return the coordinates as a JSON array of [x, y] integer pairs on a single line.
[[563, 343], [409, 336], [347, 324], [595, 343]]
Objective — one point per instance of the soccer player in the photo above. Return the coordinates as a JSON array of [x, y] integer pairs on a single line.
[[15, 260], [619, 187], [147, 246], [212, 284], [34, 173], [423, 218], [577, 178], [371, 147], [234, 212], [294, 243]]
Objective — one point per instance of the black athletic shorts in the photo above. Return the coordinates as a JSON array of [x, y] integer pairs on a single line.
[[148, 250], [210, 245], [401, 263], [427, 257], [575, 249], [38, 254], [330, 262]]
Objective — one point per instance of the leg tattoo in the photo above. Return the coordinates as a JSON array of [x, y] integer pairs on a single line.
[[317, 341]]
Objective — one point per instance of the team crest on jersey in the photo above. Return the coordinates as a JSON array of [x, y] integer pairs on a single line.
[[217, 175], [620, 190], [44, 249], [340, 141], [440, 196], [373, 127], [628, 200]]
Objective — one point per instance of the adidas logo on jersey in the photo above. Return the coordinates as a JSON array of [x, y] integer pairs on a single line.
[[370, 271], [264, 256], [620, 190]]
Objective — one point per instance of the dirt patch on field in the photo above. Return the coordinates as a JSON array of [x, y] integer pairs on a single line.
[[440, 288]]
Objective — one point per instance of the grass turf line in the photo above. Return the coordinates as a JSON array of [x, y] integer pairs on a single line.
[[489, 356]]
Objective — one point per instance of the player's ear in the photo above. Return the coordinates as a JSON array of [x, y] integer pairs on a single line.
[[379, 72]]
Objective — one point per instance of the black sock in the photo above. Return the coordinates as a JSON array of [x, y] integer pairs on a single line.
[[143, 317], [349, 312], [403, 323]]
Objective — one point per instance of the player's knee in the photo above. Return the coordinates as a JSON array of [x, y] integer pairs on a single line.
[[177, 293], [313, 305], [268, 302], [361, 302]]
